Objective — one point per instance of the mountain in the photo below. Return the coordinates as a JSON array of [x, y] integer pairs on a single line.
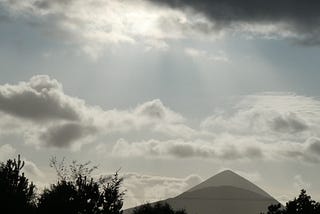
[[229, 178], [224, 193]]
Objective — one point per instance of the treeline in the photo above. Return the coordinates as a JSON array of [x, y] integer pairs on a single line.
[[75, 192]]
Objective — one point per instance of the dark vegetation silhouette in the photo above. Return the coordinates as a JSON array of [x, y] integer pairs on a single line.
[[17, 194], [301, 205], [75, 192], [78, 192], [158, 208]]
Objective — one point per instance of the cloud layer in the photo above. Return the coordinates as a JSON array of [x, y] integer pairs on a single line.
[[298, 19], [47, 116], [95, 26], [274, 126]]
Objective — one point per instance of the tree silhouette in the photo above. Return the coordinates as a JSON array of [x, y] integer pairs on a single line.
[[17, 195], [77, 192], [158, 208], [301, 205], [112, 196]]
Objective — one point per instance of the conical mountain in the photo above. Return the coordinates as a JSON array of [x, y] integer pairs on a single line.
[[224, 193], [229, 178]]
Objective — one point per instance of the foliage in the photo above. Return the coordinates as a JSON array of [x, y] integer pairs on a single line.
[[158, 208], [17, 195], [301, 205], [77, 192]]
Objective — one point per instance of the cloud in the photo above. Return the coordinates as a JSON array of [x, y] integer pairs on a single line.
[[64, 135], [288, 123], [268, 114], [297, 19], [223, 148], [157, 111], [314, 146], [273, 126], [307, 151], [149, 188], [281, 125], [40, 99], [95, 26], [188, 149], [47, 116]]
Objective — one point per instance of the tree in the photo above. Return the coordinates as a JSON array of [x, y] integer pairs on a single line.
[[17, 195], [158, 208], [301, 205], [77, 192]]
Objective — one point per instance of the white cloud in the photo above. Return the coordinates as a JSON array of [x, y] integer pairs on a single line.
[[157, 111]]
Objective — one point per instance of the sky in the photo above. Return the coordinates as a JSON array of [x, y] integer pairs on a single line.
[[170, 92]]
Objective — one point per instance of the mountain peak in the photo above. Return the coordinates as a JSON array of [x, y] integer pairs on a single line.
[[226, 172], [229, 178]]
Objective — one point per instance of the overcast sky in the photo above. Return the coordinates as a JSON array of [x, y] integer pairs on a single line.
[[171, 92]]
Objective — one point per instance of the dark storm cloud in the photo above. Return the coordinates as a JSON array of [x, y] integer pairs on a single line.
[[300, 17]]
